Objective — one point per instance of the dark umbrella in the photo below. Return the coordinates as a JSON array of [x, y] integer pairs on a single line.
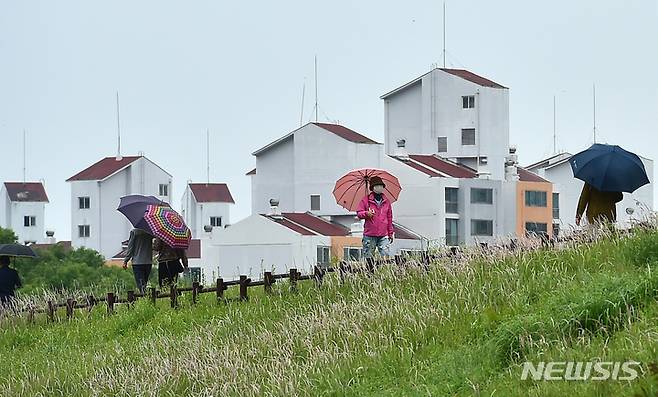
[[134, 207], [609, 168], [17, 250]]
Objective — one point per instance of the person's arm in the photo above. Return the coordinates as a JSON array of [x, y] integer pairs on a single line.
[[183, 258], [18, 282], [131, 249], [362, 209], [583, 201], [390, 223]]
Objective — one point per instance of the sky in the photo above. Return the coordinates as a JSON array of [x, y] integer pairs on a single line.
[[238, 69]]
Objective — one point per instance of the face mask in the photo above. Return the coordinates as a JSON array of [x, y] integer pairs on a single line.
[[379, 189]]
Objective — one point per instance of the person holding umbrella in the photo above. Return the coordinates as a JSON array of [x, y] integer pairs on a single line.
[[171, 261], [376, 209], [140, 251], [601, 206], [9, 281]]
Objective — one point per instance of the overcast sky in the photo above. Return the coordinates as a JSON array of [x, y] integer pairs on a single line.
[[238, 68]]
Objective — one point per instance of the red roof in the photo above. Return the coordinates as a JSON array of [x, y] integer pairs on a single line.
[[317, 224], [211, 193], [444, 166], [473, 78], [527, 176], [66, 245], [290, 225], [345, 133], [29, 191], [252, 172], [418, 167], [103, 169]]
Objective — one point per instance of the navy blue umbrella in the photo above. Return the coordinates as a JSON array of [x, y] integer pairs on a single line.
[[17, 250], [134, 207], [609, 168]]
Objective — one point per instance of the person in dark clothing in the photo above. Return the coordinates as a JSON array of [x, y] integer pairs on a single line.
[[170, 262], [140, 251], [9, 281], [601, 206]]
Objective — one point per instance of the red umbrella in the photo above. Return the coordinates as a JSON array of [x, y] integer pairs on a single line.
[[353, 187]]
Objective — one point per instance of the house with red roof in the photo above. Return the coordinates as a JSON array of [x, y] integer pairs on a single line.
[[95, 195], [22, 209], [205, 206]]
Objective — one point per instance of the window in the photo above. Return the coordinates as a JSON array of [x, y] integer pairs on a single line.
[[452, 205], [468, 136], [452, 234], [468, 102], [556, 205], [29, 221], [324, 255], [193, 274], [556, 230], [481, 227], [216, 221], [534, 198], [351, 254], [536, 228], [83, 230], [443, 144], [315, 202], [481, 196], [164, 189], [83, 203]]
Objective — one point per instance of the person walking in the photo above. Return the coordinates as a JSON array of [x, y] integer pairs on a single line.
[[9, 281], [170, 262], [376, 209], [140, 251], [601, 206]]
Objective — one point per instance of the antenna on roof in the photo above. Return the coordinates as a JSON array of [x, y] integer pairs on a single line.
[[208, 156], [444, 34], [24, 151], [301, 115], [316, 88], [118, 158], [594, 108], [554, 134]]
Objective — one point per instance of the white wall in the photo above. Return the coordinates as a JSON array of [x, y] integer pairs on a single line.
[[197, 215], [275, 176]]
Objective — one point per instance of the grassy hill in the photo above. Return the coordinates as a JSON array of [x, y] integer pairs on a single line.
[[462, 328]]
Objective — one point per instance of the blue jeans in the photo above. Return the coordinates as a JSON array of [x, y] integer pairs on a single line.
[[142, 273], [370, 244]]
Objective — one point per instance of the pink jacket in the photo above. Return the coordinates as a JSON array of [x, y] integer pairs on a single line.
[[382, 223]]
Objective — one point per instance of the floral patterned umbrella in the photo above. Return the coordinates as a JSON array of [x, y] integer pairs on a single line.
[[167, 225]]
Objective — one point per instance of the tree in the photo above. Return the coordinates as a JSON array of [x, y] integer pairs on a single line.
[[7, 236]]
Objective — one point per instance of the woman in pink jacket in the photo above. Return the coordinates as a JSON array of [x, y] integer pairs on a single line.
[[378, 229]]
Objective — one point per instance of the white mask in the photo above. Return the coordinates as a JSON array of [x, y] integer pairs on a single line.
[[379, 189]]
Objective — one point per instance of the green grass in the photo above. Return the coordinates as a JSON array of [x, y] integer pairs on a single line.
[[456, 330]]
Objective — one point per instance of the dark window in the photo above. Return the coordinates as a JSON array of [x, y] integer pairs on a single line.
[[556, 205], [315, 202], [443, 144], [468, 102], [468, 136], [452, 231], [215, 221], [351, 254], [164, 189], [29, 221], [193, 274], [83, 230], [324, 255], [534, 198], [83, 203], [481, 196], [452, 204], [556, 230], [537, 228], [481, 227]]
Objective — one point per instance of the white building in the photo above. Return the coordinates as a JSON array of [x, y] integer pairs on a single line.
[[635, 206], [301, 168], [454, 113], [22, 209], [95, 195], [206, 204]]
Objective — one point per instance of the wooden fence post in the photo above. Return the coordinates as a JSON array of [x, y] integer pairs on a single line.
[[195, 291], [30, 315], [293, 280], [131, 297], [110, 302], [70, 304], [244, 283], [318, 274], [173, 293], [50, 310], [268, 280], [91, 302], [153, 294], [220, 289]]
